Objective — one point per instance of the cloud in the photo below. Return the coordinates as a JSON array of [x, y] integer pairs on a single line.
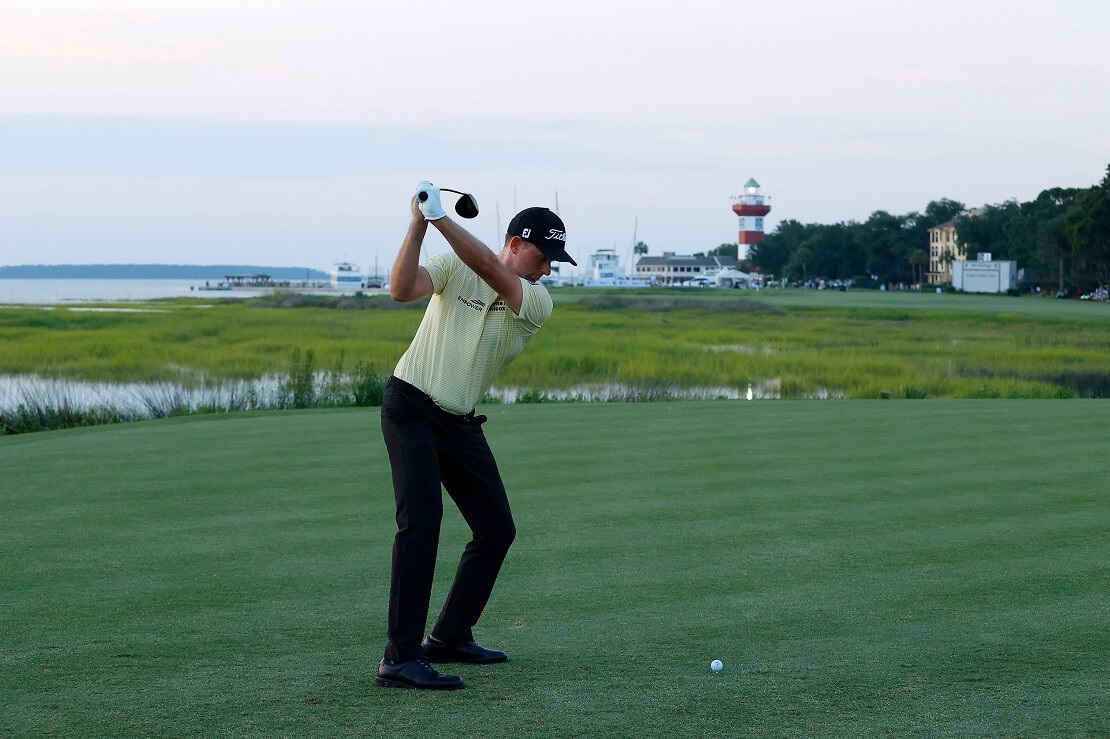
[[135, 146], [904, 75], [60, 48]]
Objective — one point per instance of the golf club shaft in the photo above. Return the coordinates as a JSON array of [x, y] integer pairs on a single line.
[[424, 196]]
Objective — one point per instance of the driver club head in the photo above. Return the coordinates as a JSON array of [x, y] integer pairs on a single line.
[[466, 206]]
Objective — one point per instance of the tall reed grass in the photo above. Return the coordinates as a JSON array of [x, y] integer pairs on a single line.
[[631, 345], [39, 404]]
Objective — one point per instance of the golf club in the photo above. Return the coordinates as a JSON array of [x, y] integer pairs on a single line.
[[466, 206]]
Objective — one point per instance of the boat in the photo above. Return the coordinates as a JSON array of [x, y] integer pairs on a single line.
[[346, 276], [606, 270]]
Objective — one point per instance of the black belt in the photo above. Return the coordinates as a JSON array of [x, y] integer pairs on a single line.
[[416, 393]]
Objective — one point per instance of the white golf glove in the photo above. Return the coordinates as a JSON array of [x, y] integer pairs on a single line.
[[428, 195]]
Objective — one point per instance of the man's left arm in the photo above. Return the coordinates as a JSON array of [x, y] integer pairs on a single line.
[[484, 262]]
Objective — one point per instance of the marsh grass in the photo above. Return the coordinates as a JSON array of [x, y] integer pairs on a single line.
[[666, 303], [42, 404], [639, 345], [304, 387], [358, 301], [827, 352], [46, 409], [189, 340]]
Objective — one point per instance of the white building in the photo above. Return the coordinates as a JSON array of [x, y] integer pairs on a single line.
[[984, 276], [676, 269], [945, 250]]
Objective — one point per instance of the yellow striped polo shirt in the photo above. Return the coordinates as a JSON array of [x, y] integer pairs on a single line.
[[468, 335]]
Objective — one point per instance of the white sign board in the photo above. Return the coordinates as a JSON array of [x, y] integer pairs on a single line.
[[984, 277]]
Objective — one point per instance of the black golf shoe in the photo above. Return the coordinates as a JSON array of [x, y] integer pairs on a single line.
[[416, 673], [471, 652]]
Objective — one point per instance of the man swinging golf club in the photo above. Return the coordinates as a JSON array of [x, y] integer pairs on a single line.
[[484, 308]]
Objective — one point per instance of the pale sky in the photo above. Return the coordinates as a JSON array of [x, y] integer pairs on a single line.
[[292, 133]]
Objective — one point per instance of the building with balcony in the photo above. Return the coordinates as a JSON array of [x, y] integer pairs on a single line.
[[944, 248]]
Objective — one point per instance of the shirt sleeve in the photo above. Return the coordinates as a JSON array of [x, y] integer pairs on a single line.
[[440, 269], [536, 306]]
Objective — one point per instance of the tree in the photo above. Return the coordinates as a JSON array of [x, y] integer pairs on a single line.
[[640, 248], [883, 240], [984, 230], [724, 250], [918, 258], [801, 257], [1061, 225], [1087, 229], [946, 259], [835, 251], [772, 254], [942, 211], [1037, 236]]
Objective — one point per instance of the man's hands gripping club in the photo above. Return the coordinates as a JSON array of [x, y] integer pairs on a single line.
[[410, 281], [427, 196]]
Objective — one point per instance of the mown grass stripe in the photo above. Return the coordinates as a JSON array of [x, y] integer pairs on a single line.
[[864, 568]]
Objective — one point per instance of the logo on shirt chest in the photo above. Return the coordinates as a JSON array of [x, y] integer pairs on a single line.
[[474, 303], [480, 306]]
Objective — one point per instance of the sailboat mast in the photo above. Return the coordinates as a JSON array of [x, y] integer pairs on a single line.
[[635, 226]]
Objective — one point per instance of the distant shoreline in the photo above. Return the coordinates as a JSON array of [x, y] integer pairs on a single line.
[[154, 272]]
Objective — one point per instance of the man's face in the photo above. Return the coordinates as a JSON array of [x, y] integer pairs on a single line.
[[531, 263]]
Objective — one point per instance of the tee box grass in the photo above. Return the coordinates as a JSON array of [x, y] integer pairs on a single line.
[[862, 568]]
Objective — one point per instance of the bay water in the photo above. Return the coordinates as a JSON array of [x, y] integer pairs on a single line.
[[61, 292]]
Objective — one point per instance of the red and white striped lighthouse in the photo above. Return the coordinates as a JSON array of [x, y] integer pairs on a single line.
[[751, 209]]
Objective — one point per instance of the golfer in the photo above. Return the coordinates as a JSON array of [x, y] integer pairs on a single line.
[[484, 308]]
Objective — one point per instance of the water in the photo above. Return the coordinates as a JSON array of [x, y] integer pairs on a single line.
[[139, 398], [144, 398], [57, 292], [60, 292]]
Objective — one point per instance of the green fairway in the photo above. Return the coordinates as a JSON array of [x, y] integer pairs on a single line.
[[1026, 305], [865, 568]]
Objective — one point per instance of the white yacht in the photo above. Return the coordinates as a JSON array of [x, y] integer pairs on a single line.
[[346, 276], [605, 271]]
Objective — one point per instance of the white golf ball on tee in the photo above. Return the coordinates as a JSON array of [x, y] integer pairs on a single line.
[[716, 665]]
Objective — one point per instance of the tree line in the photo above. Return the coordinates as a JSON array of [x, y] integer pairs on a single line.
[[1062, 237]]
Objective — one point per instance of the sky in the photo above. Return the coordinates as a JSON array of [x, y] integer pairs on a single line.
[[293, 133]]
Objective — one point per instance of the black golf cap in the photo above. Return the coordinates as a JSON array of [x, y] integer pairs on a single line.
[[544, 229]]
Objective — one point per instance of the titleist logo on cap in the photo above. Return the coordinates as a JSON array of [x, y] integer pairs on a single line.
[[553, 234]]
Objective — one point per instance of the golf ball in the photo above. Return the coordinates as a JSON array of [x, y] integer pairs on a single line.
[[716, 665]]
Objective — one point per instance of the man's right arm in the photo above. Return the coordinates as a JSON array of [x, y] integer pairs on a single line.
[[408, 281]]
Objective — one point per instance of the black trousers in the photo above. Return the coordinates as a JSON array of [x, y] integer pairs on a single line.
[[428, 447]]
